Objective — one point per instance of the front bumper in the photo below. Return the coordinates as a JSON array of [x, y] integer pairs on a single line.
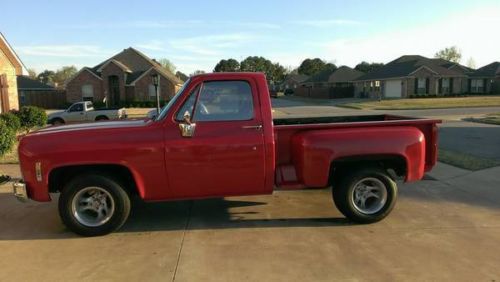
[[19, 190]]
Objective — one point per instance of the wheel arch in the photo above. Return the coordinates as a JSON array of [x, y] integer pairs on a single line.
[[101, 117], [396, 165], [52, 120], [120, 173]]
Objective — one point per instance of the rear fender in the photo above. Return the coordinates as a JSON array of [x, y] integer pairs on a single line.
[[315, 150]]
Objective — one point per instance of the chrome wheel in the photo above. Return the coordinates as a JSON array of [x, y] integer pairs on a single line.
[[93, 206], [369, 195]]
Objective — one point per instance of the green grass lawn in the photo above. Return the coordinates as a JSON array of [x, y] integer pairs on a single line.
[[465, 161], [427, 103], [489, 119], [10, 158]]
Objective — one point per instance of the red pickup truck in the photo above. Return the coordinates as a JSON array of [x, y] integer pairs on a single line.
[[217, 138]]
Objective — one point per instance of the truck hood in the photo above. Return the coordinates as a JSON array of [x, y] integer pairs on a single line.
[[91, 126]]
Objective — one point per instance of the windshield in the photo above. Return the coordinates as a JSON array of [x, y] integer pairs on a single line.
[[166, 108]]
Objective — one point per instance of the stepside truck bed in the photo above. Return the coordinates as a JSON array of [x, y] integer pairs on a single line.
[[363, 131]]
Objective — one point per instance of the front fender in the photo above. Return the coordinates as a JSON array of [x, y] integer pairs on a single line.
[[315, 150]]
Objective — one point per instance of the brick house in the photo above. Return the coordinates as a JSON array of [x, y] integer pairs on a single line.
[[292, 81], [10, 67], [485, 80], [330, 83], [413, 75], [122, 78]]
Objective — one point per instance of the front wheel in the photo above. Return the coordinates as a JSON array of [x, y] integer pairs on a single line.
[[365, 196], [93, 205]]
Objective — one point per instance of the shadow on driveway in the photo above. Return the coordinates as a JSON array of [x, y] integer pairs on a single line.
[[41, 221]]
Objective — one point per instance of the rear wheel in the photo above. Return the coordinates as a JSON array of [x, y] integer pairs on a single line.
[[101, 118], [93, 205], [365, 196]]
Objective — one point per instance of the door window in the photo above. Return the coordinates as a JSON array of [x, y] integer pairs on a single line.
[[224, 101], [76, 108], [188, 105]]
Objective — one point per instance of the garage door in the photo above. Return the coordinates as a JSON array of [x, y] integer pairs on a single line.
[[393, 89]]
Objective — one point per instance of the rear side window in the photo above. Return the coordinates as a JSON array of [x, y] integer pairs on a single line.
[[224, 101]]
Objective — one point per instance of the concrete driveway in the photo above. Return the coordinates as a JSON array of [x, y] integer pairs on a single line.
[[443, 229]]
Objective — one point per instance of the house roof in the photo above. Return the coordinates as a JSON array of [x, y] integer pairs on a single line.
[[406, 65], [297, 77], [490, 70], [342, 74], [12, 56], [136, 63], [450, 65], [26, 83], [119, 64]]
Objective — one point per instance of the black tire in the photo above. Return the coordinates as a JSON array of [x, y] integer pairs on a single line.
[[344, 195], [56, 121], [101, 118], [120, 198]]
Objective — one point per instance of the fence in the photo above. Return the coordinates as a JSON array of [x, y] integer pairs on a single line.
[[47, 99], [325, 92]]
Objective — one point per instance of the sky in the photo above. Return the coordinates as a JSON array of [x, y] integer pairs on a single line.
[[195, 35]]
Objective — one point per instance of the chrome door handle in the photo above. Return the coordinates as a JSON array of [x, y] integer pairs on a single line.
[[256, 127]]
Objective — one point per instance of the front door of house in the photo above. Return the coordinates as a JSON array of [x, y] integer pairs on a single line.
[[4, 94], [114, 90]]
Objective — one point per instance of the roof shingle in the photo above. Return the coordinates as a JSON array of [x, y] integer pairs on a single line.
[[490, 70], [405, 65], [27, 83]]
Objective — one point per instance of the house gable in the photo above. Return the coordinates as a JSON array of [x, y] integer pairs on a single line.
[[116, 63], [12, 57]]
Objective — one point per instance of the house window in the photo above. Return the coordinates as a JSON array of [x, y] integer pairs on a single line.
[[152, 92], [421, 86], [445, 85], [477, 86], [371, 85], [88, 92], [377, 85]]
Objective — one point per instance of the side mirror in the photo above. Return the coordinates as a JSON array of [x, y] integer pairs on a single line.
[[187, 127]]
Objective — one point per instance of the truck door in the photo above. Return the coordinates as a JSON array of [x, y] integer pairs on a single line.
[[76, 113], [223, 153]]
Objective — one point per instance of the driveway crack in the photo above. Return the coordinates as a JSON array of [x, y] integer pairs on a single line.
[[186, 226]]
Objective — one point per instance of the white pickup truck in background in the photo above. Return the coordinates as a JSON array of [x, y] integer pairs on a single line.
[[85, 112]]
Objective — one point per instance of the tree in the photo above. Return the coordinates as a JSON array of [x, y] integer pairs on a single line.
[[368, 67], [166, 63], [450, 54], [279, 72], [197, 72], [274, 72], [229, 65], [471, 63], [47, 76], [63, 74], [32, 74], [311, 66], [182, 76]]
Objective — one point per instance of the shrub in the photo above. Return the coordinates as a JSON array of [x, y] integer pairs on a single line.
[[32, 117], [7, 138], [11, 120]]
